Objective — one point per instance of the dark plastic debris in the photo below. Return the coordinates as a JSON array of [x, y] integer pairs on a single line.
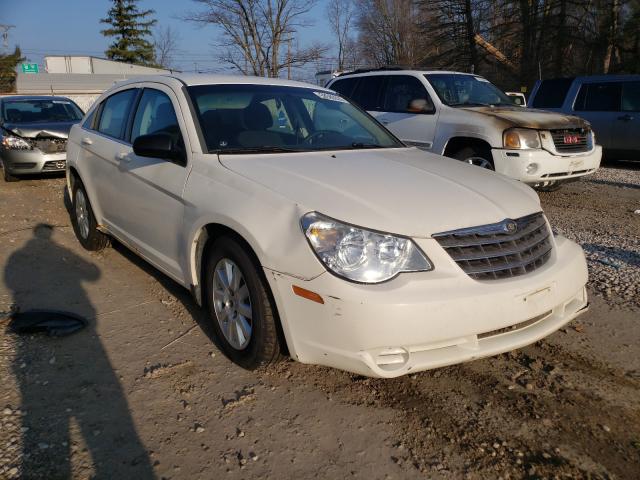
[[49, 322]]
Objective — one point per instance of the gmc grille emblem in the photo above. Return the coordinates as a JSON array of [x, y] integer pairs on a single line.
[[571, 139]]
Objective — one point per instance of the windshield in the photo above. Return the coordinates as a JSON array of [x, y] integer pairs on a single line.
[[40, 111], [455, 90], [272, 118]]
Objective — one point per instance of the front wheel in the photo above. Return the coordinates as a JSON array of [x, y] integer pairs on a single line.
[[8, 177], [84, 221], [480, 157], [238, 302]]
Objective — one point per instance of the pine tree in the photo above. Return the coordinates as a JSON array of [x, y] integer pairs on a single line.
[[129, 26], [8, 64]]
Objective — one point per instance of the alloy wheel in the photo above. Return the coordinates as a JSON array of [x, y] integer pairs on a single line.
[[232, 303], [480, 162], [82, 214]]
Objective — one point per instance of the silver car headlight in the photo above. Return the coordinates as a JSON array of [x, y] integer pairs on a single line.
[[16, 143], [521, 138], [361, 255]]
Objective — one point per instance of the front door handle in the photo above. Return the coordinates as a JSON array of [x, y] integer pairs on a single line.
[[123, 157], [626, 118], [86, 141]]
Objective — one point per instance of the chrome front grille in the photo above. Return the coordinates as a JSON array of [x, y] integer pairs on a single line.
[[500, 250], [571, 140]]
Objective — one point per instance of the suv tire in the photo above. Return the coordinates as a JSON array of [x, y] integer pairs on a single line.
[[476, 155]]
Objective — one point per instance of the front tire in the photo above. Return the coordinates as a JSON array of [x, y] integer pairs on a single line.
[[238, 302], [478, 156], [8, 177], [84, 221]]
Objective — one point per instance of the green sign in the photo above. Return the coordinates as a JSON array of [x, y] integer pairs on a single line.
[[30, 68]]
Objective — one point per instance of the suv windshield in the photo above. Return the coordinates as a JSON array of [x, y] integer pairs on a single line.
[[272, 118], [40, 111], [457, 90]]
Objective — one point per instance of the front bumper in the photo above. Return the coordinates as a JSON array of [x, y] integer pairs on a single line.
[[550, 168], [25, 162], [431, 319]]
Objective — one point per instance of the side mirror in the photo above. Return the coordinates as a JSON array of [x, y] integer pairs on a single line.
[[158, 145], [420, 105]]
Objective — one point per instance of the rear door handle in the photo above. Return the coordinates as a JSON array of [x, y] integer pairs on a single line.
[[123, 157], [86, 141], [625, 118]]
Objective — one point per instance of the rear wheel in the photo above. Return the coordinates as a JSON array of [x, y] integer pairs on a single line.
[[238, 302], [84, 221], [478, 156]]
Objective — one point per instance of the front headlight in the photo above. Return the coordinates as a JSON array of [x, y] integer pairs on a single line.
[[521, 138], [361, 255], [16, 143]]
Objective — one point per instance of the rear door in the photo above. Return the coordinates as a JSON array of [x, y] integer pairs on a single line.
[[626, 133], [408, 111], [599, 103], [151, 189], [102, 137]]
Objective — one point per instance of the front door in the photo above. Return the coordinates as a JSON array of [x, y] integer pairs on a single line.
[[627, 127], [408, 111]]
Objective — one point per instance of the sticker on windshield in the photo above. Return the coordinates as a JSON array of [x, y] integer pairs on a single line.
[[480, 79], [62, 102], [330, 96]]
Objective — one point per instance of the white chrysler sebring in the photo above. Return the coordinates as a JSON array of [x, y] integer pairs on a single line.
[[301, 225]]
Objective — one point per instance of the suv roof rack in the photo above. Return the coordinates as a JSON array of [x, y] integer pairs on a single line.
[[377, 69]]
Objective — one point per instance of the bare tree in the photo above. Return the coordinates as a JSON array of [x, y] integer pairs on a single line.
[[340, 15], [388, 32], [165, 45], [258, 35]]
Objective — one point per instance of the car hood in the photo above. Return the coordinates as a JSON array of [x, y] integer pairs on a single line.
[[403, 191], [530, 118], [40, 130]]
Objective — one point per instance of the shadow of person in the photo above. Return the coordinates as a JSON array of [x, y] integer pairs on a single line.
[[75, 418]]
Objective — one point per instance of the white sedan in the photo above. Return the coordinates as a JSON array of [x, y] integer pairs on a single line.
[[303, 226]]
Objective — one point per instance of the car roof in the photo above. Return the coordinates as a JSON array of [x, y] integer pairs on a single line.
[[395, 71], [192, 79], [33, 97]]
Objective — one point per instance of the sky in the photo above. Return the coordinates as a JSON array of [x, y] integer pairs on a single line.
[[72, 27]]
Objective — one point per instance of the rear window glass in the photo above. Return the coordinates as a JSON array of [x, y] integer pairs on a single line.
[[367, 92], [598, 97], [344, 86], [551, 93], [115, 113], [631, 97]]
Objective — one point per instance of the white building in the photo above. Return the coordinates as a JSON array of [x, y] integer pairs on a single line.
[[81, 79]]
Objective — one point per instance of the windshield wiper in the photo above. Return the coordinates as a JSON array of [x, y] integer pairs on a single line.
[[365, 145], [470, 104], [265, 149]]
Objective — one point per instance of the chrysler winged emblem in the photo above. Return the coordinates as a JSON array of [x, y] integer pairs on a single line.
[[510, 226]]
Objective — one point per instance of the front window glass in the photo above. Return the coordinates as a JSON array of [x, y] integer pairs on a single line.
[[263, 118], [598, 97], [405, 94], [631, 97], [461, 90], [40, 111], [155, 115]]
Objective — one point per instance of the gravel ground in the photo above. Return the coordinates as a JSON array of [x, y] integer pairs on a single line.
[[143, 393]]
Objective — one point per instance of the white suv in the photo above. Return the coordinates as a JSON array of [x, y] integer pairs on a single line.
[[464, 116], [301, 225]]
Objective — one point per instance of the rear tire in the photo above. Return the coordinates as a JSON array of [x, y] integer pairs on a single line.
[[228, 263], [84, 221], [476, 155]]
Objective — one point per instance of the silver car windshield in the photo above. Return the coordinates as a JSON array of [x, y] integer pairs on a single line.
[[272, 118], [40, 111], [462, 90]]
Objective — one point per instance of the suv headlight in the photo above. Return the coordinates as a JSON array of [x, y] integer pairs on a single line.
[[361, 255], [16, 143], [521, 138]]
